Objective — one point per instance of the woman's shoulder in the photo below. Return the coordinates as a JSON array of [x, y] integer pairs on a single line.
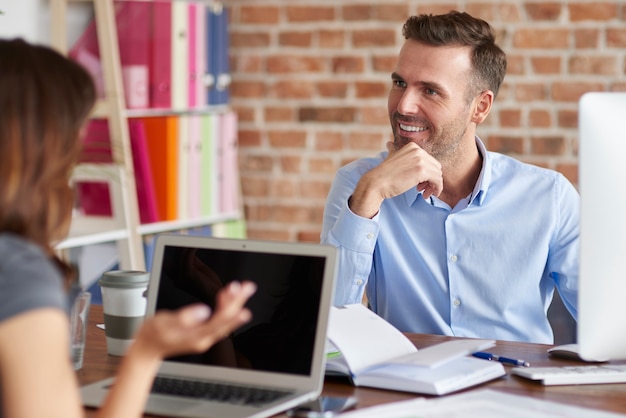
[[28, 278]]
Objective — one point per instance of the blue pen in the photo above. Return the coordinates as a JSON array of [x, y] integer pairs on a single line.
[[505, 360]]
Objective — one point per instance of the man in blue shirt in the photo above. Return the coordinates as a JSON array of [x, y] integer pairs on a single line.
[[445, 236]]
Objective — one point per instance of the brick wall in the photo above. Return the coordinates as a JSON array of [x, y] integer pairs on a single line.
[[310, 82]]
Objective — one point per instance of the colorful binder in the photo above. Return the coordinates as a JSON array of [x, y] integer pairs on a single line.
[[161, 55], [229, 165], [94, 197], [217, 54], [161, 133]]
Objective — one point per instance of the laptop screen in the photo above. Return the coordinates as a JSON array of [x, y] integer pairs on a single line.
[[281, 335]]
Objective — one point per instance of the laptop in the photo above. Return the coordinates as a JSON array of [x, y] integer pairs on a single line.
[[274, 362]]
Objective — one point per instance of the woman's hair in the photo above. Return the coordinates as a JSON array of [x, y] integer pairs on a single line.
[[461, 29], [45, 99]]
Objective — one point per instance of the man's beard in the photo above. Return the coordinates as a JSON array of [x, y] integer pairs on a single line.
[[438, 144]]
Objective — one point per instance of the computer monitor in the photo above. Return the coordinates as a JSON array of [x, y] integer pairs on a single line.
[[602, 181]]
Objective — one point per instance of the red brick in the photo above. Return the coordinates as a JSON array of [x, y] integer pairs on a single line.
[[309, 236], [541, 38], [567, 118], [583, 64], [249, 39], [287, 139], [291, 214], [374, 115], [291, 163], [570, 171], [322, 166], [336, 89], [385, 63], [618, 86], [247, 138], [508, 12], [348, 65], [268, 15], [258, 212], [525, 92], [332, 38], [515, 64], [293, 89], [295, 64], [571, 91], [254, 186], [510, 118], [314, 188], [367, 38], [586, 38], [244, 113], [549, 145], [284, 188], [248, 63], [357, 12], [598, 11], [267, 234], [279, 114], [505, 144], [295, 39], [485, 11], [257, 163], [328, 141], [539, 119], [248, 89], [366, 90], [330, 114], [436, 7], [389, 12], [546, 65], [310, 13], [365, 140], [543, 11], [616, 37]]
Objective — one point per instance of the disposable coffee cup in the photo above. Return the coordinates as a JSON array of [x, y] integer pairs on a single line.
[[124, 307]]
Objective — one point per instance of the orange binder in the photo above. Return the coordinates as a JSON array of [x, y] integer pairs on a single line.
[[162, 140]]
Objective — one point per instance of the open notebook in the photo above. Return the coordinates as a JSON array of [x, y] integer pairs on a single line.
[[274, 362]]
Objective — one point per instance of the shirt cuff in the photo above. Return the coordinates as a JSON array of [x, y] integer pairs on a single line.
[[355, 232]]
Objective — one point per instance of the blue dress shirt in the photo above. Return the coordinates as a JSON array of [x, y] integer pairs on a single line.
[[486, 268]]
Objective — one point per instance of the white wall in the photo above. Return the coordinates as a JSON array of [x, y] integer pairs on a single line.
[[30, 19]]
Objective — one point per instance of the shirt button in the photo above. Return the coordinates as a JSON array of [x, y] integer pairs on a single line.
[[453, 258], [370, 236], [456, 302], [359, 282]]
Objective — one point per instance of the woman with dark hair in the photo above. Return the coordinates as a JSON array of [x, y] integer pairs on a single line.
[[45, 100]]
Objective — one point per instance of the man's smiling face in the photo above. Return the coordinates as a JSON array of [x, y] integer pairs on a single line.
[[428, 101]]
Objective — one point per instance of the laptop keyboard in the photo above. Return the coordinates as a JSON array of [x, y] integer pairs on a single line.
[[220, 392]]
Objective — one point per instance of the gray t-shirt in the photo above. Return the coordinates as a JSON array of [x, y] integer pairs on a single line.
[[28, 281]]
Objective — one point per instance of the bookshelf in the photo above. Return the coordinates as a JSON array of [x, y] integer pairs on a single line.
[[123, 225]]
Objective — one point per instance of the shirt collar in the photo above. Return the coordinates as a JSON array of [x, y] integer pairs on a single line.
[[481, 187]]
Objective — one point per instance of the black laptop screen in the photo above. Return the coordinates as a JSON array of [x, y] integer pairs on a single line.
[[281, 335]]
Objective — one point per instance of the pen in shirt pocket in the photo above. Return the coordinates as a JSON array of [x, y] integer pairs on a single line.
[[501, 359]]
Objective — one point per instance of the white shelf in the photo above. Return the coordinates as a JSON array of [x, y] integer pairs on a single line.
[[92, 230], [157, 227], [96, 230]]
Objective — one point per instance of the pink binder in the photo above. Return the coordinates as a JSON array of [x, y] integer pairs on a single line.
[[94, 197], [229, 166], [160, 72]]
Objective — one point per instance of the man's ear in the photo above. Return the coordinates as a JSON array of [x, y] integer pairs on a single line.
[[482, 106]]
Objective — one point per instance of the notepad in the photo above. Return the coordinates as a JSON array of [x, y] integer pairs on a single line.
[[373, 353]]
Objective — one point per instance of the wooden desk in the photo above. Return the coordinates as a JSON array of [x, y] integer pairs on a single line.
[[99, 365]]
